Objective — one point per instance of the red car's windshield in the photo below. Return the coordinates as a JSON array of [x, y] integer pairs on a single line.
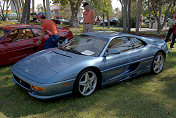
[[3, 32]]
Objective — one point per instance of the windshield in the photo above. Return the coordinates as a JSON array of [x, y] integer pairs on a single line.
[[3, 32], [86, 45]]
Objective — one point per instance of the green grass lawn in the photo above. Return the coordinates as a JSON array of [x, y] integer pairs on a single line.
[[147, 96]]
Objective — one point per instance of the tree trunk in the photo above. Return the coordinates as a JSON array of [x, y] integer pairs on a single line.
[[129, 16], [73, 18], [28, 12], [13, 2], [2, 11], [157, 8], [74, 9], [18, 9], [103, 20], [24, 12], [99, 13], [124, 15], [44, 7], [26, 9], [7, 7], [48, 10], [148, 4], [33, 6], [108, 18], [139, 4]]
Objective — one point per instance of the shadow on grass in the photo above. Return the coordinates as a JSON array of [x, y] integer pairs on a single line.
[[17, 103], [169, 89], [135, 104], [123, 97]]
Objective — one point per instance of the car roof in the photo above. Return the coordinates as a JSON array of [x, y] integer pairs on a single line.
[[17, 26], [106, 34]]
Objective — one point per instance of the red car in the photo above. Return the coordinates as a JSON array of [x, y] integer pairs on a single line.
[[18, 41]]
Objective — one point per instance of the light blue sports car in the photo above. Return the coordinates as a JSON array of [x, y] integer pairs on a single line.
[[87, 62]]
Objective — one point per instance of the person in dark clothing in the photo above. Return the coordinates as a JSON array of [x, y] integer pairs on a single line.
[[171, 22]]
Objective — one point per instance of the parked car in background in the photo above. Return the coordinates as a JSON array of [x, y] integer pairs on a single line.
[[113, 22], [57, 21], [18, 41], [61, 21], [81, 22], [98, 21], [65, 22], [146, 19], [89, 61], [34, 18]]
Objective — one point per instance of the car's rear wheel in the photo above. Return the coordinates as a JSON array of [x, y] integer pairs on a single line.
[[158, 63], [85, 83]]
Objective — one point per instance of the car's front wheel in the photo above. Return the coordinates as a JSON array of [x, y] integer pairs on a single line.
[[86, 83], [158, 63]]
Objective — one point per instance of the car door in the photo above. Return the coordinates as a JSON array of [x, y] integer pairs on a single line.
[[19, 46], [37, 35], [141, 56], [116, 66]]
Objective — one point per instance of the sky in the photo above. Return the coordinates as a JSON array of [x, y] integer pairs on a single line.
[[115, 3]]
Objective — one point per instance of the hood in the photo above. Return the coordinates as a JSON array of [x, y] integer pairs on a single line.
[[45, 64]]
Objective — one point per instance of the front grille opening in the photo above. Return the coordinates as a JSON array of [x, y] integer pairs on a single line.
[[21, 82]]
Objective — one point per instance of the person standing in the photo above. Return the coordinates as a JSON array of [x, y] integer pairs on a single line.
[[140, 23], [151, 21], [88, 16], [50, 27], [171, 23]]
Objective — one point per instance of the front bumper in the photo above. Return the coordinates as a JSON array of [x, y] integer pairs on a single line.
[[51, 90]]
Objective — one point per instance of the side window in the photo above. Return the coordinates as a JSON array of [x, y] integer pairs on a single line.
[[37, 32], [20, 34], [13, 34], [122, 44], [136, 42]]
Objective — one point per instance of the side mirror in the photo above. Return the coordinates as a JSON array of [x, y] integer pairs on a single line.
[[111, 52], [7, 40]]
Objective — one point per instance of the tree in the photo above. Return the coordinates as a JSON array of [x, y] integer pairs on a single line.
[[44, 6], [3, 9], [118, 13], [160, 8], [124, 14], [139, 4], [48, 13], [74, 4], [26, 12], [39, 8], [103, 7], [129, 16], [18, 5], [33, 6]]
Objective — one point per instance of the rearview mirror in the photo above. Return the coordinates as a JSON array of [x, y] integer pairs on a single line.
[[7, 40], [111, 52]]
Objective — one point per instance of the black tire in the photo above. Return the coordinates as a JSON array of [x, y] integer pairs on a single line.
[[82, 86], [158, 63]]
